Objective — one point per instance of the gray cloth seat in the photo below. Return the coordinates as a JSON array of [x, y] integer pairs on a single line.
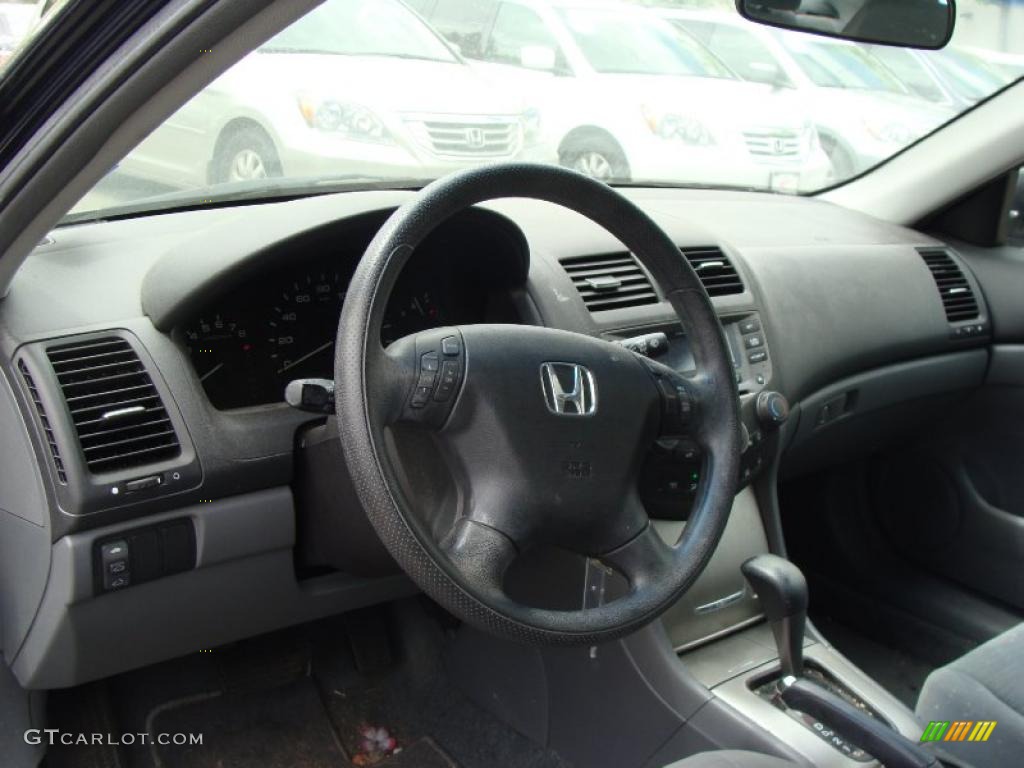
[[985, 684], [732, 758]]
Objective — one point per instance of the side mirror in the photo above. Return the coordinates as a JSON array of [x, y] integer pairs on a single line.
[[769, 73], [909, 23], [538, 57]]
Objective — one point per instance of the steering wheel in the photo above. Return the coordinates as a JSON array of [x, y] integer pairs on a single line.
[[544, 431]]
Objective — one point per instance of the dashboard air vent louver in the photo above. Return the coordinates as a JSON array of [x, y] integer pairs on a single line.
[[37, 401], [715, 270], [610, 281], [117, 411], [954, 290]]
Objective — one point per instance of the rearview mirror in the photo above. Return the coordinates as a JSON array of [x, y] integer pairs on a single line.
[[907, 23]]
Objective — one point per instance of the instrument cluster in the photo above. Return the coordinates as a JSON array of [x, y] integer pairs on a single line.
[[246, 347]]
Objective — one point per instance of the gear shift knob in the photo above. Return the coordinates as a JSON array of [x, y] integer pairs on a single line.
[[782, 591]]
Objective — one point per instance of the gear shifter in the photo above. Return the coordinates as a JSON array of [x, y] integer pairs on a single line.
[[782, 591]]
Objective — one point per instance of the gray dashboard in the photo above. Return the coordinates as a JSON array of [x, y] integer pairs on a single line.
[[840, 297]]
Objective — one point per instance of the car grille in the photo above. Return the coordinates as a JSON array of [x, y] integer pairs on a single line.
[[472, 138], [772, 143]]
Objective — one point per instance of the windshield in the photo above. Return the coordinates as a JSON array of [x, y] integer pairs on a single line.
[[843, 65], [636, 43], [393, 94], [361, 29]]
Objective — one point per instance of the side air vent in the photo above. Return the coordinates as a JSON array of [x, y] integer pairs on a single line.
[[715, 270], [954, 290], [610, 281], [117, 412], [37, 401]]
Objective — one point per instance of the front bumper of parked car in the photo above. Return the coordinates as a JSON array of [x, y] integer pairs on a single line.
[[759, 160]]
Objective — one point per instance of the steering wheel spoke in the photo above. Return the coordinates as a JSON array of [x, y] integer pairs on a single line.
[[643, 559], [481, 554]]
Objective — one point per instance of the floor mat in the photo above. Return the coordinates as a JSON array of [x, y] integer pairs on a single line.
[[304, 698], [284, 727], [899, 673], [415, 700]]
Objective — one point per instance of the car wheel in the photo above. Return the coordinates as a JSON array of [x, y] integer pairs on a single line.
[[599, 158], [245, 154], [840, 160]]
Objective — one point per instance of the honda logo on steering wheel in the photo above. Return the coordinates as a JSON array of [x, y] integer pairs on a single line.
[[569, 389]]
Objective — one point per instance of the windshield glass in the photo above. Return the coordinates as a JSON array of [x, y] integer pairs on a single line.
[[395, 93], [843, 65], [630, 43], [361, 29]]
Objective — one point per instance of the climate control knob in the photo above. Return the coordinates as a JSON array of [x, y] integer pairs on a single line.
[[772, 408]]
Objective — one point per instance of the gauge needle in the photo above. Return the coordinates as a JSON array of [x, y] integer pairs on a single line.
[[212, 371], [293, 363]]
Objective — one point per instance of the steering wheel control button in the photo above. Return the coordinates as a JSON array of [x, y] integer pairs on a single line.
[[420, 396], [449, 380], [753, 342], [750, 325], [429, 363], [450, 346], [758, 356]]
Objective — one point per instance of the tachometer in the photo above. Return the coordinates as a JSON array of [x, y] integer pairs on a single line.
[[225, 358]]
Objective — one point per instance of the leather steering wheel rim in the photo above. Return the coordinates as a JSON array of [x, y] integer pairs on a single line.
[[372, 387]]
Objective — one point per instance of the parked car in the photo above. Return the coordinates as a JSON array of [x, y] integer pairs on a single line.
[[332, 94], [625, 96], [951, 76], [862, 111]]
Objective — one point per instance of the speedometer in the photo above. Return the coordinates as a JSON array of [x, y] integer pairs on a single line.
[[302, 325]]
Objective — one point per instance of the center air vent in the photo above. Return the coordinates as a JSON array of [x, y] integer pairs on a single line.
[[715, 270], [610, 281], [954, 289], [117, 411]]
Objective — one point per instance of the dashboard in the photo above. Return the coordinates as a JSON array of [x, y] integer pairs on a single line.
[[211, 313]]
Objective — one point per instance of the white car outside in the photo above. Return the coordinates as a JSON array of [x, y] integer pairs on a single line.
[[623, 96], [334, 95], [862, 111]]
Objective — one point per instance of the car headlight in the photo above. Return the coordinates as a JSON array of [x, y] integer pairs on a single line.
[[679, 127], [354, 121], [890, 132]]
